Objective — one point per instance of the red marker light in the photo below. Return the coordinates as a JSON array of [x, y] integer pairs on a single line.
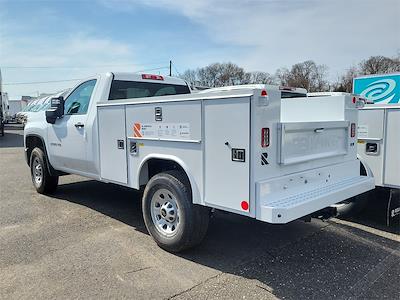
[[354, 99], [264, 137], [245, 205], [353, 130], [264, 93]]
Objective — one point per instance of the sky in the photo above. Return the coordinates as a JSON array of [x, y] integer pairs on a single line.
[[69, 40]]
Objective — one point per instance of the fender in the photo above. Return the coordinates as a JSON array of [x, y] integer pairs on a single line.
[[51, 170], [196, 196]]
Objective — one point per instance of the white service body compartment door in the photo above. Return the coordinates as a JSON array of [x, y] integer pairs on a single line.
[[227, 133], [112, 143], [370, 146], [392, 158]]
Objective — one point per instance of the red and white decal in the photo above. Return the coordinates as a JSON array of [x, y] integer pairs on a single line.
[[137, 130]]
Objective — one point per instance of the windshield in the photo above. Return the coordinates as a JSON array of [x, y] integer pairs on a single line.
[[121, 89]]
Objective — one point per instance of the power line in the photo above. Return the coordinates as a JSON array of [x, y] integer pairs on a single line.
[[37, 82], [75, 79], [176, 70], [80, 67]]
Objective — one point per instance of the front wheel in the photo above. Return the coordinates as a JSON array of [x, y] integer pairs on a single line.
[[174, 222], [43, 182]]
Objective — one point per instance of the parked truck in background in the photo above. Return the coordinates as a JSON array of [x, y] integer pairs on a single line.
[[379, 137], [15, 106], [260, 151]]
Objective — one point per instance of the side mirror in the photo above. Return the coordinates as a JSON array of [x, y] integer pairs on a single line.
[[56, 110]]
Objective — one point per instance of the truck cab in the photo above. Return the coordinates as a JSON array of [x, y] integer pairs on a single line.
[[70, 140]]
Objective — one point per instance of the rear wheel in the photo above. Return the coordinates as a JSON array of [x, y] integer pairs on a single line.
[[174, 222], [43, 182]]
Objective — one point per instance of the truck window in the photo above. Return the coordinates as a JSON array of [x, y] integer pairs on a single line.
[[78, 101], [121, 89]]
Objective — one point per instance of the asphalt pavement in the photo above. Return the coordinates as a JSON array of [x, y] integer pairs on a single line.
[[89, 241]]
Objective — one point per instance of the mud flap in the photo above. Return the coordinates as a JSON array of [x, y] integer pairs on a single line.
[[393, 208]]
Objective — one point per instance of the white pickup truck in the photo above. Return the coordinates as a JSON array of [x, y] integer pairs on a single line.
[[261, 151]]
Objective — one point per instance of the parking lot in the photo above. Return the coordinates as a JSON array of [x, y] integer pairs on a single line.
[[89, 241]]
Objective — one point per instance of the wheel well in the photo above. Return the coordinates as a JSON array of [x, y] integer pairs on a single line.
[[31, 143], [155, 165], [363, 170]]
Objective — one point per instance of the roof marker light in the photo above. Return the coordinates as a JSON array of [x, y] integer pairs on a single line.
[[152, 77], [264, 93]]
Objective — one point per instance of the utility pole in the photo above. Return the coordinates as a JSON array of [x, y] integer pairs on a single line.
[[170, 68]]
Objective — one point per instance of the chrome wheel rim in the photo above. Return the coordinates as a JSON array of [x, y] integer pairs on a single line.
[[165, 212], [37, 171]]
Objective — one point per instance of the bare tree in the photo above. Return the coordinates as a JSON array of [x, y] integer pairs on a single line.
[[345, 82], [282, 76], [190, 76], [216, 74], [259, 77], [306, 74], [380, 65], [372, 65]]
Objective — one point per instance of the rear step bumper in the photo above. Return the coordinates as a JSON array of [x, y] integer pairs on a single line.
[[289, 208]]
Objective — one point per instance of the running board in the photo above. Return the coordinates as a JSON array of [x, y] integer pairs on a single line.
[[292, 207]]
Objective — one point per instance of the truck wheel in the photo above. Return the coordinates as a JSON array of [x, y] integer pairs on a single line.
[[174, 222], [43, 182]]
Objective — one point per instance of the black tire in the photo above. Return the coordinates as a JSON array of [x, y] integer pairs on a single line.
[[38, 163], [193, 219], [2, 129]]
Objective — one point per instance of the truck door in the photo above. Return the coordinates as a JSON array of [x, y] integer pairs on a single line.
[[112, 143], [67, 137]]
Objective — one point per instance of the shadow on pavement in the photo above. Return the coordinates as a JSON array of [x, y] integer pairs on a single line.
[[293, 261], [13, 137], [117, 202], [376, 213]]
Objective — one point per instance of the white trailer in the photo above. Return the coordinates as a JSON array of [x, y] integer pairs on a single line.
[[243, 150]]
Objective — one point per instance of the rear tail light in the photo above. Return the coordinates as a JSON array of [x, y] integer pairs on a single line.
[[152, 77], [264, 137], [353, 130], [354, 99]]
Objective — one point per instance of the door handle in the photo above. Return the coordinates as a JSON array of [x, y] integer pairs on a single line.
[[79, 125]]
